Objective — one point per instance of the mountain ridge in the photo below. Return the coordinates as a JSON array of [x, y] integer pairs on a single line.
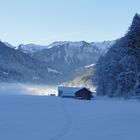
[[55, 63]]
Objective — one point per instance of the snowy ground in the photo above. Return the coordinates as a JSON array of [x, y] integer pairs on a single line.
[[53, 118]]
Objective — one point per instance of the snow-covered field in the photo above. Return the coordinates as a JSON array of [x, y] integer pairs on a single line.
[[52, 118]]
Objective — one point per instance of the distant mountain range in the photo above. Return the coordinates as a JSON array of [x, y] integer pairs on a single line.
[[114, 65], [51, 64], [33, 48], [16, 66]]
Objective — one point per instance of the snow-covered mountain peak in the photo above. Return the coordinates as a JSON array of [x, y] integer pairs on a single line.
[[103, 46], [31, 48], [67, 43], [9, 45]]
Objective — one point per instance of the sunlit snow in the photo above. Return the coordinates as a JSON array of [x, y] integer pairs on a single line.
[[55, 118]]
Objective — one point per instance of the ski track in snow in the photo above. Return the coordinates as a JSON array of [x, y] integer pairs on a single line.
[[54, 118], [68, 122]]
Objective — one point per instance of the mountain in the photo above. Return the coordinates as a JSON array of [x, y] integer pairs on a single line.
[[17, 66], [69, 57], [104, 46], [33, 48], [84, 78], [30, 48], [52, 64], [117, 72], [9, 45]]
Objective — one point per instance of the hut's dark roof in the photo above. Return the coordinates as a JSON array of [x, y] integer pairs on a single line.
[[83, 90], [84, 93]]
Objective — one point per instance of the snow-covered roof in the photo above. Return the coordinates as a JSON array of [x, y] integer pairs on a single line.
[[68, 91]]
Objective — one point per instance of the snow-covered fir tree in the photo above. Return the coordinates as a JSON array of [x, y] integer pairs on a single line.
[[117, 71]]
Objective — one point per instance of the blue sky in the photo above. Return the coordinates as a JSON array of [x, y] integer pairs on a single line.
[[45, 21]]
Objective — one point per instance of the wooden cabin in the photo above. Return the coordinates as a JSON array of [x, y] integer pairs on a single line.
[[84, 94], [75, 92]]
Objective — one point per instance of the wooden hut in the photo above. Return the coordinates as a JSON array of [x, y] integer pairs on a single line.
[[84, 94]]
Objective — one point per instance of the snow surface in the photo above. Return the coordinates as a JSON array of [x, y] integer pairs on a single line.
[[55, 118], [91, 65], [9, 45], [53, 71]]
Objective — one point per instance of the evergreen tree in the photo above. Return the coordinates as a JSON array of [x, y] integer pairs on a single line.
[[116, 73]]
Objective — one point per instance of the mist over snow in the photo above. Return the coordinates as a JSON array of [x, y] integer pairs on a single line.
[[26, 89]]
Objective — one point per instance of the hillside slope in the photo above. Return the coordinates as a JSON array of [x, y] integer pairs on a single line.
[[83, 79], [117, 73], [16, 66]]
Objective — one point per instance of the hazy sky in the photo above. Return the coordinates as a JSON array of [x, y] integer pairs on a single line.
[[45, 21]]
